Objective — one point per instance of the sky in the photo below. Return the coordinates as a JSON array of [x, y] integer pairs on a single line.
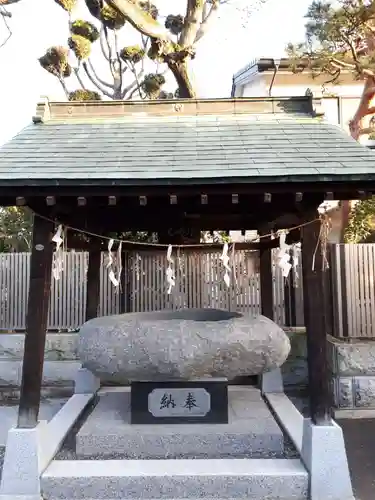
[[231, 44]]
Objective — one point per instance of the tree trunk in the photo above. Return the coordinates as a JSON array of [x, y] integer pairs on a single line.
[[364, 109], [179, 70]]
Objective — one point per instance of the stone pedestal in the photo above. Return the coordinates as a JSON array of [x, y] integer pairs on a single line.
[[324, 455], [251, 431]]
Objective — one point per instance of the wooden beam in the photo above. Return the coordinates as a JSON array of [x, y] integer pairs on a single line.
[[315, 297], [266, 279], [341, 189], [36, 323], [93, 281]]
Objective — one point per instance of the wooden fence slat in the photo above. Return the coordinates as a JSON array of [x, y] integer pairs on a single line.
[[199, 283], [371, 285]]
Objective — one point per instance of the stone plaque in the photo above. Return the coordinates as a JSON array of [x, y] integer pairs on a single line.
[[179, 402]]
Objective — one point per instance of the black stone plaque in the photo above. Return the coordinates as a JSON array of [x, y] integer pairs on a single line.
[[176, 402]]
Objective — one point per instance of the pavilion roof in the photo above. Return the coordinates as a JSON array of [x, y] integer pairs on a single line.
[[263, 140]]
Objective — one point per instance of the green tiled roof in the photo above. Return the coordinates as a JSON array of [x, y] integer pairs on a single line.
[[142, 149]]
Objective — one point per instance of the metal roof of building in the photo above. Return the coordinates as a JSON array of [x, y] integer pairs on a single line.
[[158, 144]]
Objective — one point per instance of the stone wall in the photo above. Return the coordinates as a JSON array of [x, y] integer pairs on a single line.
[[295, 368], [353, 373], [61, 363], [60, 366]]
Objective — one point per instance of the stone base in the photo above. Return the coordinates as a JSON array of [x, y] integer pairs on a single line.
[[251, 479], [324, 455], [251, 431], [24, 461]]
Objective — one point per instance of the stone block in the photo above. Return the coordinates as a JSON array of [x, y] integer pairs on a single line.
[[10, 373], [344, 391], [8, 415], [294, 370], [332, 354], [23, 462], [225, 479], [324, 455], [60, 373], [59, 346], [356, 358], [55, 373], [86, 382], [252, 430], [181, 345], [272, 382], [364, 392]]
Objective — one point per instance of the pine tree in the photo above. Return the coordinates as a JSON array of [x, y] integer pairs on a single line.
[[340, 36], [5, 15], [169, 42]]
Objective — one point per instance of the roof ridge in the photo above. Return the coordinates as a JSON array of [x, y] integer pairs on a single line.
[[50, 110]]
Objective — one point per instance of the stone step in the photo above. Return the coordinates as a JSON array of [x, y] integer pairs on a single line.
[[252, 429], [225, 479]]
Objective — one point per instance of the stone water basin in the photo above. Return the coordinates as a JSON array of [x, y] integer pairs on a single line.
[[181, 345]]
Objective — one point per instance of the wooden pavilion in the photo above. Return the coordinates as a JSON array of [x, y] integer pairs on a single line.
[[109, 167]]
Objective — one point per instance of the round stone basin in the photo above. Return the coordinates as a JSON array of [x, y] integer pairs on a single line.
[[181, 345]]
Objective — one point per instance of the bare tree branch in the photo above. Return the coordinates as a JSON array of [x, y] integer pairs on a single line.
[[78, 76], [7, 28], [208, 20], [130, 87], [102, 46], [136, 77], [94, 82], [4, 12], [118, 70], [62, 82], [110, 59], [100, 80]]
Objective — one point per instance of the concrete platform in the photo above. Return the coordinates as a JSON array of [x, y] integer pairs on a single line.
[[251, 430], [251, 479]]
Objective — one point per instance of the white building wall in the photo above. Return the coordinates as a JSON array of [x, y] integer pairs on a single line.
[[258, 88]]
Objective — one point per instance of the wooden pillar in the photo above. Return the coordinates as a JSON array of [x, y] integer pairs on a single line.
[[266, 281], [315, 310], [36, 323], [93, 282]]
